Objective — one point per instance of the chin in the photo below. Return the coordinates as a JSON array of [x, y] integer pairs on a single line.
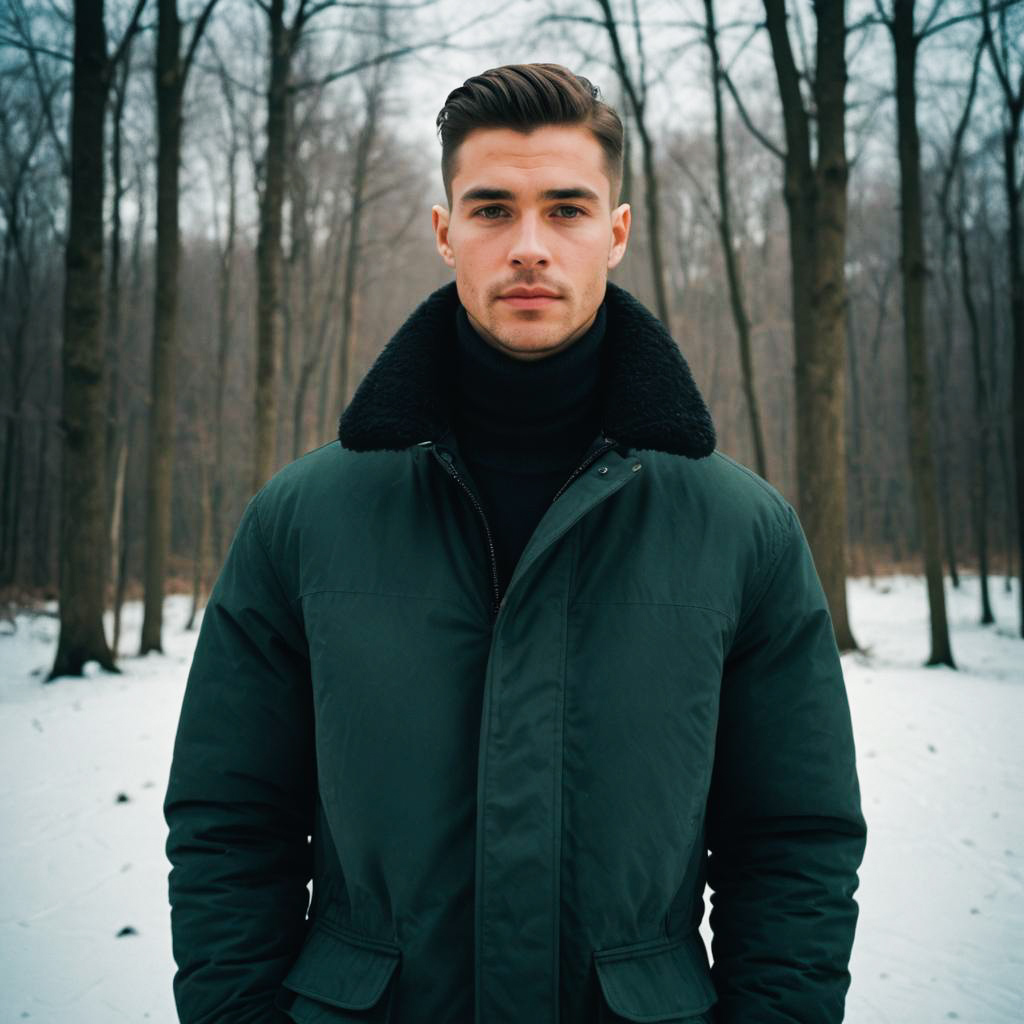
[[532, 345]]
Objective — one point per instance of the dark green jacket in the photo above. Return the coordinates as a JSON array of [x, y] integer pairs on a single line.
[[513, 810]]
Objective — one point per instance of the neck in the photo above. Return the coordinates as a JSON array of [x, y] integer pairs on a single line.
[[510, 406]]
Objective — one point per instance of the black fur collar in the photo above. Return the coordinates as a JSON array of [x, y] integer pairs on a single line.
[[652, 400]]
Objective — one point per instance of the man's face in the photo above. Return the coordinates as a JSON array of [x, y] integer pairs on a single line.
[[531, 235]]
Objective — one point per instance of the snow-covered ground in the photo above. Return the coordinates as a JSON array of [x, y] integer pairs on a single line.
[[84, 928]]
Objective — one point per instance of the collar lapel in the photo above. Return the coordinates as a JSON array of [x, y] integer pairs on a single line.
[[652, 400]]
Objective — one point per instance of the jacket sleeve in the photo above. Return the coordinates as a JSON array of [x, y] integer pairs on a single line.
[[240, 796], [785, 831]]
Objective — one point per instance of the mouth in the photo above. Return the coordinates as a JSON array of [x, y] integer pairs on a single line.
[[529, 298]]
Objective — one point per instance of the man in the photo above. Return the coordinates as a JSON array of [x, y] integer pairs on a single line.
[[525, 659]]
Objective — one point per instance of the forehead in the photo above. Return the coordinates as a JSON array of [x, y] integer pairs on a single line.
[[554, 156]]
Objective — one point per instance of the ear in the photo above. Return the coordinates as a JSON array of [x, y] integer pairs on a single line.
[[621, 219], [439, 215]]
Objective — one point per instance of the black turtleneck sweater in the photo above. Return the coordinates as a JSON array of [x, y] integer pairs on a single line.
[[523, 426]]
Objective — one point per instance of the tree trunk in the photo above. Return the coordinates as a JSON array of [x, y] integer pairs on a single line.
[[1011, 141], [116, 441], [225, 328], [169, 83], [816, 204], [268, 250], [858, 460], [314, 354], [736, 299], [346, 347], [117, 545], [944, 358], [914, 273], [652, 206], [83, 474], [981, 415], [203, 533], [637, 93]]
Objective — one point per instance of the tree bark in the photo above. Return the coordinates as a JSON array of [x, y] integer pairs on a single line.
[[269, 256], [116, 434], [159, 448], [914, 274], [203, 532], [737, 302], [982, 418], [171, 73], [116, 551], [225, 330], [83, 473], [364, 146], [816, 204]]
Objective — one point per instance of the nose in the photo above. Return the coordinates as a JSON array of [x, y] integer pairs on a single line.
[[528, 247]]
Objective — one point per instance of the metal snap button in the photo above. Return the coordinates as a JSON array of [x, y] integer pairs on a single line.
[[636, 467], [602, 470]]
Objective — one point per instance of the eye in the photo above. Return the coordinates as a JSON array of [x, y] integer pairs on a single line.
[[570, 212], [490, 212]]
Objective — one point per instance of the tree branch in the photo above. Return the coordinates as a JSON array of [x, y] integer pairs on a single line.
[[961, 128], [745, 117], [401, 51], [197, 34], [932, 15], [1000, 68], [636, 102], [45, 51], [1005, 5], [133, 27], [580, 19]]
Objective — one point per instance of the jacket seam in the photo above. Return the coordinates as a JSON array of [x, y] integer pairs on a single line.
[[379, 593], [656, 604]]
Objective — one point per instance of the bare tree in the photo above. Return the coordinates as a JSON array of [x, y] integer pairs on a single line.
[[816, 203], [956, 225], [360, 180], [18, 153], [906, 42], [635, 86], [284, 42], [725, 231], [172, 68], [981, 407], [1002, 53], [84, 474]]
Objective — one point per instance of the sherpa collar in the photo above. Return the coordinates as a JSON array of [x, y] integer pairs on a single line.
[[651, 399]]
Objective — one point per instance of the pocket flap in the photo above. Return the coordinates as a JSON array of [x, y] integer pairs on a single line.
[[341, 969], [663, 980]]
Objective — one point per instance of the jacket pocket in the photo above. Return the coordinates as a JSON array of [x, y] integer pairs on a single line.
[[339, 976], [664, 980]]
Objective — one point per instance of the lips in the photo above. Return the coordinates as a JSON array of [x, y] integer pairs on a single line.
[[529, 298], [530, 293]]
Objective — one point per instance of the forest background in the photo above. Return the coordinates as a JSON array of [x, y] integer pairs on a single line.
[[215, 214]]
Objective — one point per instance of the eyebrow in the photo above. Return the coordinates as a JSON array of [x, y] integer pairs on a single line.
[[484, 193]]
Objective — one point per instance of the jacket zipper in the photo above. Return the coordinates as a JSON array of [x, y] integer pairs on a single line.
[[456, 476]]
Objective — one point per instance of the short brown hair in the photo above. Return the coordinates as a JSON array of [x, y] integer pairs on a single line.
[[524, 97]]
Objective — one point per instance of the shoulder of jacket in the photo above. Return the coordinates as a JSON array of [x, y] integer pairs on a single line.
[[730, 492], [323, 474]]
